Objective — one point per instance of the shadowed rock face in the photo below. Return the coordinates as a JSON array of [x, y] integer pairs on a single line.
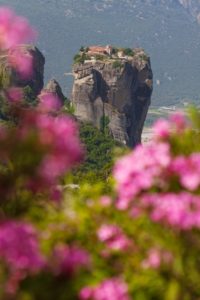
[[54, 88], [122, 94], [36, 81], [9, 75]]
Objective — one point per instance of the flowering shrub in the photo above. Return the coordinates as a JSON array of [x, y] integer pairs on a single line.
[[109, 289], [139, 241]]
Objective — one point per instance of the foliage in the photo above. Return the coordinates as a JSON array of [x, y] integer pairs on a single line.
[[104, 122], [82, 49], [68, 107], [128, 52], [99, 147], [100, 57], [29, 96], [117, 64], [144, 57], [80, 58]]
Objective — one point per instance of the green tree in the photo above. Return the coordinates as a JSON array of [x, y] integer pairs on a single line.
[[128, 52]]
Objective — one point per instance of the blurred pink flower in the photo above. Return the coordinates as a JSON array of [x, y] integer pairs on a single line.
[[14, 30], [140, 170], [110, 289], [113, 237], [22, 61], [188, 170], [86, 293], [67, 260], [60, 135], [153, 260], [178, 120], [161, 129], [14, 94], [19, 247], [49, 102], [105, 201], [180, 210]]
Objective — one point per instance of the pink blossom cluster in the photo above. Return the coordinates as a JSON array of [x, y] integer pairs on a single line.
[[19, 252], [140, 170], [21, 60], [19, 247], [180, 210], [53, 140], [110, 289], [67, 260], [176, 124], [151, 179], [113, 237], [14, 30], [60, 136], [187, 168], [14, 94], [156, 257], [49, 102]]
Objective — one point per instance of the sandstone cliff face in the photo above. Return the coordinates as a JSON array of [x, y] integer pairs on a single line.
[[121, 92]]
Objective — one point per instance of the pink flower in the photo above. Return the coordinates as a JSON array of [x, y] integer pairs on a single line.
[[110, 289], [141, 170], [21, 61], [86, 293], [14, 94], [14, 30], [56, 145], [188, 169], [105, 201], [19, 247], [180, 211], [49, 102], [153, 260], [68, 260], [178, 120], [113, 237], [60, 135], [156, 258], [161, 129]]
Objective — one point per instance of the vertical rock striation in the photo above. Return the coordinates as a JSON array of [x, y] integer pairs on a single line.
[[119, 90]]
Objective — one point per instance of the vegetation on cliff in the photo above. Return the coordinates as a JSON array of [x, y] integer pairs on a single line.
[[99, 155], [108, 53]]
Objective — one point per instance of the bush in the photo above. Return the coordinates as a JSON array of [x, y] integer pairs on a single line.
[[78, 59], [117, 64], [128, 52]]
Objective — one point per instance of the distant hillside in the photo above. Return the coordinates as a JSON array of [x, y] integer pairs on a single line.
[[165, 28]]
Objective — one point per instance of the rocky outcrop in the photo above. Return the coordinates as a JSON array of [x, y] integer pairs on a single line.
[[36, 80], [119, 90], [54, 88]]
